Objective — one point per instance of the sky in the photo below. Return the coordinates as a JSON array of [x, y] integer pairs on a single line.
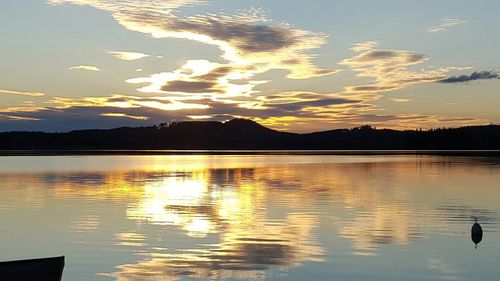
[[293, 65]]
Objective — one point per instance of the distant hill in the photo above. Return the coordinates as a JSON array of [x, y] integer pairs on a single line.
[[246, 134]]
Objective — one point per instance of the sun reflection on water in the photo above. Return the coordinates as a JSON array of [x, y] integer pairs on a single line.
[[248, 241]]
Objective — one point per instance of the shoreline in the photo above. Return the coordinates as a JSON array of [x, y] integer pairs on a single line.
[[482, 153]]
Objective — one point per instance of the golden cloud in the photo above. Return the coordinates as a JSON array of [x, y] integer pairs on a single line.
[[123, 115], [84, 67], [390, 69], [248, 39], [128, 55], [30, 94], [121, 101]]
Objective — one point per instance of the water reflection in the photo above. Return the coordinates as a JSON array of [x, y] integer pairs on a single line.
[[228, 203], [242, 223], [240, 253], [85, 223]]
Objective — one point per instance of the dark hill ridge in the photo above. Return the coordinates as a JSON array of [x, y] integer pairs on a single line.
[[246, 134]]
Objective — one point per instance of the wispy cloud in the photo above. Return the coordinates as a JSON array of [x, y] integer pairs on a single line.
[[122, 101], [364, 46], [390, 69], [445, 25], [85, 67], [401, 100], [128, 55], [20, 93], [123, 115], [16, 118], [249, 38], [478, 75], [199, 117]]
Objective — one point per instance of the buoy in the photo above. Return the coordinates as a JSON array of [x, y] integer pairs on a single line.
[[476, 233]]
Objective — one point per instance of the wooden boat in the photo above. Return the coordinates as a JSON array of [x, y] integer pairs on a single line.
[[46, 269]]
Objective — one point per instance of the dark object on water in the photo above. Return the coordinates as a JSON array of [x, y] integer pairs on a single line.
[[476, 233], [47, 269]]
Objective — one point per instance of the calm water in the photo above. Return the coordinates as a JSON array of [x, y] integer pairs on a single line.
[[253, 217]]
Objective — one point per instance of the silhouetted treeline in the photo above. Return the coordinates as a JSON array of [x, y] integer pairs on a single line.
[[245, 134]]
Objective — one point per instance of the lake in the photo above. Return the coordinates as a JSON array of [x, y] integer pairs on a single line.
[[264, 217]]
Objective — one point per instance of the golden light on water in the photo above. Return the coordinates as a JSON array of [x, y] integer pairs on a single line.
[[179, 193], [248, 243]]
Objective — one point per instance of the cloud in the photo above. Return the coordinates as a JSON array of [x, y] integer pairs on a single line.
[[199, 117], [122, 115], [21, 113], [385, 60], [364, 46], [211, 81], [30, 94], [160, 6], [63, 114], [477, 75], [201, 79], [303, 110], [251, 44], [248, 39], [16, 118], [121, 101], [128, 56], [85, 67], [191, 87], [401, 100], [299, 102], [296, 106], [390, 69], [445, 25]]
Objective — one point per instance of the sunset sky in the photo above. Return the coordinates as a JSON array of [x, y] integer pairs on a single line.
[[291, 65]]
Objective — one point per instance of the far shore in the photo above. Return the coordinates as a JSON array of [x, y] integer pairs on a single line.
[[481, 153]]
